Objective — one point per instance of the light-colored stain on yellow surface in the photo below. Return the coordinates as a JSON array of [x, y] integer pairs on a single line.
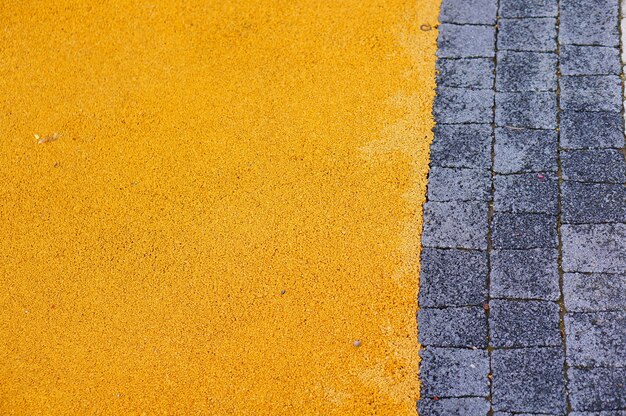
[[212, 208]]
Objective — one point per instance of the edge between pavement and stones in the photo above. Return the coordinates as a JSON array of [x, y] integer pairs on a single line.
[[523, 268]]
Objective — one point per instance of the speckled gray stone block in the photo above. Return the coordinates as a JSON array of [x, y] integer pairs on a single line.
[[468, 11], [526, 71], [534, 34], [591, 93], [590, 60], [593, 202], [462, 146], [526, 109], [596, 339], [597, 389], [453, 327], [452, 278], [594, 165], [454, 184], [459, 41], [523, 150], [524, 231], [589, 22], [474, 73], [528, 8], [449, 372], [594, 248], [526, 192], [460, 105], [455, 225], [580, 130], [594, 292], [466, 406], [528, 323], [607, 413], [529, 380], [525, 274]]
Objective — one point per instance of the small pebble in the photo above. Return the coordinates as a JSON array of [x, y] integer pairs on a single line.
[[357, 343]]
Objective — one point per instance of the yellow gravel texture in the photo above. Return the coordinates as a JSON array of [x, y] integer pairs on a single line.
[[212, 207]]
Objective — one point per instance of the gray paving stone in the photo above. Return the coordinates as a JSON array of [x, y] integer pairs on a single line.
[[476, 73], [458, 41], [589, 22], [580, 130], [522, 150], [590, 60], [533, 34], [591, 93], [526, 192], [597, 389], [454, 184], [528, 8], [595, 165], [462, 146], [453, 327], [526, 71], [461, 105], [594, 292], [452, 278], [596, 339], [521, 414], [524, 231], [593, 202], [455, 225], [525, 274], [528, 323], [468, 11], [528, 380], [466, 406], [608, 413], [526, 109], [448, 372], [594, 248]]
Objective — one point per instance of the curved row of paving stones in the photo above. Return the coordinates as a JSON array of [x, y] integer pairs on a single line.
[[523, 271]]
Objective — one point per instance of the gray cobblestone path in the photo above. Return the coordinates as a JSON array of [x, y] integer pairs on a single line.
[[523, 271]]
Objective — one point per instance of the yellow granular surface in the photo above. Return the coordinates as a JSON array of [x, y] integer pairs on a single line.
[[204, 204]]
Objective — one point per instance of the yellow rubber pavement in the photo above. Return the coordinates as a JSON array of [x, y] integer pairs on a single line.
[[212, 208]]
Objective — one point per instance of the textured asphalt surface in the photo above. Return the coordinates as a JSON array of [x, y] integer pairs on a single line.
[[523, 282]]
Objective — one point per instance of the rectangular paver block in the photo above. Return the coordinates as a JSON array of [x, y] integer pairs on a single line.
[[524, 231], [466, 406], [589, 22], [525, 274], [529, 323], [474, 73], [526, 71], [451, 372], [454, 184], [524, 150], [594, 292], [581, 130], [594, 248], [453, 327], [590, 60], [597, 389], [533, 34], [455, 225], [526, 109], [591, 93], [468, 11], [593, 202], [459, 41], [529, 380], [528, 8], [461, 105], [462, 146], [526, 192], [596, 339], [594, 165]]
